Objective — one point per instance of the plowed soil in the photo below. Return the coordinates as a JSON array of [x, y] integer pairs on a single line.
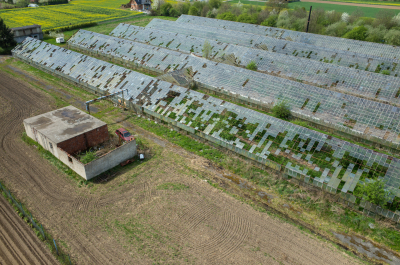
[[18, 243], [160, 211]]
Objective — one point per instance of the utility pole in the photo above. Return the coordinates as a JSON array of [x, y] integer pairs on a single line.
[[309, 16]]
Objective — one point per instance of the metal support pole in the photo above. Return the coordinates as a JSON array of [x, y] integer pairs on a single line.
[[309, 16], [55, 246]]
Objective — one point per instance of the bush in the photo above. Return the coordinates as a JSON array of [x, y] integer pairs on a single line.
[[214, 3], [393, 37], [245, 18], [174, 13], [252, 66], [183, 8], [376, 34], [227, 16], [373, 192], [87, 157], [358, 33], [270, 21], [281, 111], [206, 49], [337, 29], [385, 72], [193, 11], [164, 9]]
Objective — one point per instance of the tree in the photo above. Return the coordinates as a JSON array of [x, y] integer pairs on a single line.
[[210, 14], [252, 65], [374, 192], [227, 16], [6, 36], [174, 13], [376, 34], [270, 21], [281, 110], [164, 9], [278, 5], [358, 33], [214, 3], [318, 21], [183, 8], [22, 3], [193, 11], [156, 5], [356, 15], [385, 17], [263, 15], [337, 29], [245, 18], [393, 37], [206, 49], [205, 10]]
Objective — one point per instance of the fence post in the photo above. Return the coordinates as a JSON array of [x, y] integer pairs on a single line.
[[69, 260], [44, 235], [55, 246]]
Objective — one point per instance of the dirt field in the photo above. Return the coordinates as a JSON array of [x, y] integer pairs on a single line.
[[352, 4], [161, 211], [18, 243]]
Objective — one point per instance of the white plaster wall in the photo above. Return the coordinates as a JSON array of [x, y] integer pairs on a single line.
[[110, 160], [75, 165]]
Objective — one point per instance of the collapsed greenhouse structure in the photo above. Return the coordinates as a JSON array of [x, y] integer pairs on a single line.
[[360, 108]]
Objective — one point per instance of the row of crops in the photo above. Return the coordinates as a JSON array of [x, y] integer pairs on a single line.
[[58, 16]]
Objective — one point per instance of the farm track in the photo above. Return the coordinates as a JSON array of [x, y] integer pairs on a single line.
[[18, 242], [72, 214]]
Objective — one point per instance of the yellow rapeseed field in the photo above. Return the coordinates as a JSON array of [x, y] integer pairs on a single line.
[[76, 12]]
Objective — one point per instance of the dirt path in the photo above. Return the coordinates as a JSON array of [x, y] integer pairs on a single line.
[[18, 243], [352, 4], [201, 224]]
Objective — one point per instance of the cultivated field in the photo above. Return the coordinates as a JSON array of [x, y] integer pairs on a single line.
[[161, 211], [18, 243], [57, 16]]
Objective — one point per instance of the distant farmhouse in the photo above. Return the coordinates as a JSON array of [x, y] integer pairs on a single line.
[[33, 31], [140, 4]]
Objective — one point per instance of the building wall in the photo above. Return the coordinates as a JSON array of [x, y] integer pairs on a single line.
[[45, 142], [71, 162], [94, 168], [111, 159], [86, 140], [38, 36]]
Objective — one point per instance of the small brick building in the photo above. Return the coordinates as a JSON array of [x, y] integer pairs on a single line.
[[69, 130], [140, 4]]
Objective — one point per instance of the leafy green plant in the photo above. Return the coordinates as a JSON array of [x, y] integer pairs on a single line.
[[252, 65], [281, 110], [385, 72], [374, 192], [206, 49], [87, 157]]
